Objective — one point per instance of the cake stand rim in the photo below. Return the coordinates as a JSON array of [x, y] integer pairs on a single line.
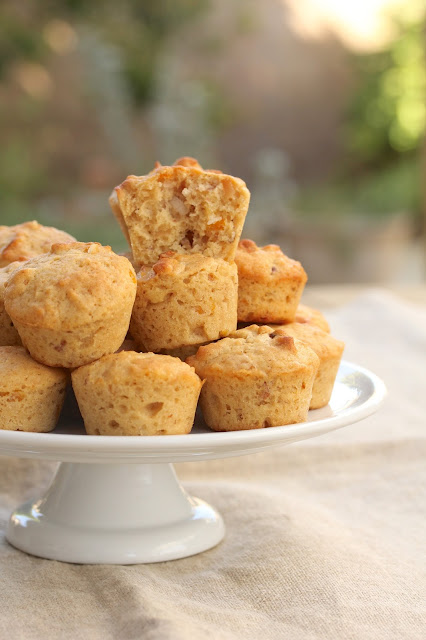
[[58, 446]]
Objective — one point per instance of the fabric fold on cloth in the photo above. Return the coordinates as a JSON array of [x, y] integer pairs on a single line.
[[325, 538]]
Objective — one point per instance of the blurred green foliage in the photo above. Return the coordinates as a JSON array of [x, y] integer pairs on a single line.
[[384, 131], [394, 188], [137, 27], [33, 185], [384, 126], [388, 112]]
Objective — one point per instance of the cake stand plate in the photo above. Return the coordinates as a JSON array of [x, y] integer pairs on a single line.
[[116, 499]]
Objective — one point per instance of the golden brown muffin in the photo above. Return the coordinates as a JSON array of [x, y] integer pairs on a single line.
[[31, 395], [270, 284], [72, 305], [181, 208], [137, 394], [8, 333], [184, 300], [27, 240], [328, 349], [257, 378], [308, 315]]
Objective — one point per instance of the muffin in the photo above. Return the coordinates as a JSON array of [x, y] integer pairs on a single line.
[[329, 351], [31, 395], [270, 284], [72, 305], [308, 315], [182, 208], [8, 333], [137, 394], [27, 240], [184, 300], [259, 378]]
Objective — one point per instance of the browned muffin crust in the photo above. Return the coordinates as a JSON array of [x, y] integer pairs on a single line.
[[308, 315], [27, 240], [329, 351], [270, 284], [8, 333], [184, 300], [255, 378], [31, 394], [72, 305], [137, 394]]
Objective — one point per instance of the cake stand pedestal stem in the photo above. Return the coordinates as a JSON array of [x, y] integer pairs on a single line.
[[115, 514]]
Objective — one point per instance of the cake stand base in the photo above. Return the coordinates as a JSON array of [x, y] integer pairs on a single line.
[[115, 514]]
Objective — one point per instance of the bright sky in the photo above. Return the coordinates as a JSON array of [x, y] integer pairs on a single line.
[[360, 23]]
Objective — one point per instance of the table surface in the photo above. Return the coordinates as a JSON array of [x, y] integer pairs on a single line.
[[328, 296], [325, 538]]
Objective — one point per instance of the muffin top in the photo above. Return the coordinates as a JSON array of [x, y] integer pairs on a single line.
[[72, 285], [188, 164], [19, 370], [267, 264], [185, 161], [119, 368], [183, 266], [5, 273], [26, 240], [324, 345], [254, 350], [308, 315]]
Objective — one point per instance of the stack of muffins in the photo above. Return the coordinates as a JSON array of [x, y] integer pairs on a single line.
[[66, 308]]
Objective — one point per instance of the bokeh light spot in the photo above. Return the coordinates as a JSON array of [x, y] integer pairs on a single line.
[[60, 36], [33, 78]]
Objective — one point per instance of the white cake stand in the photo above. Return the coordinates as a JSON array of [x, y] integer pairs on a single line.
[[116, 500]]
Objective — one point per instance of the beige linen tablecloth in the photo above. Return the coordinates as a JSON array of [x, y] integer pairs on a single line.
[[325, 539]]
